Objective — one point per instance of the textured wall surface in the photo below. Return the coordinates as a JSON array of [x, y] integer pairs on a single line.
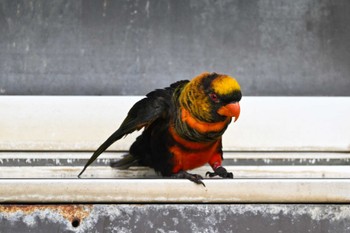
[[173, 218], [90, 47]]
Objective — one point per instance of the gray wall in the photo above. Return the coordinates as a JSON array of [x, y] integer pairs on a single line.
[[76, 47]]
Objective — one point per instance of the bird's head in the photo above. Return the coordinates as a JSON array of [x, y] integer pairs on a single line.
[[212, 97]]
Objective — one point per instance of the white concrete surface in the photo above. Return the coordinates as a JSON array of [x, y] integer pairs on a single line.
[[174, 191], [84, 122], [268, 128]]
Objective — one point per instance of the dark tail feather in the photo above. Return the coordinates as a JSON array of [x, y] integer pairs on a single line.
[[114, 137], [127, 161]]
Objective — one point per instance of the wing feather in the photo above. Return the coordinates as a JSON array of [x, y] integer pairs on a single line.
[[157, 104], [142, 114]]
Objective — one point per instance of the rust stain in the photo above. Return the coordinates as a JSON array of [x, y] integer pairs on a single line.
[[69, 212]]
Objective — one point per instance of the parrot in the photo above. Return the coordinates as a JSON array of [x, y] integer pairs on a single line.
[[182, 127]]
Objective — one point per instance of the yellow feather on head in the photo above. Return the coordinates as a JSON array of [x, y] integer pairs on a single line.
[[225, 84]]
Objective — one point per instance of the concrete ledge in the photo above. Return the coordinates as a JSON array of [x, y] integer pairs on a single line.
[[57, 124], [174, 191]]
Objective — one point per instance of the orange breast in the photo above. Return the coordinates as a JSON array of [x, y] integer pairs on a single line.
[[189, 155]]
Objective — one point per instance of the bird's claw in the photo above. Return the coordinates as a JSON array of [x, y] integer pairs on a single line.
[[220, 171], [192, 177]]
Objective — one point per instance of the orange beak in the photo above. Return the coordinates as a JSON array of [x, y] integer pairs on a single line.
[[230, 110]]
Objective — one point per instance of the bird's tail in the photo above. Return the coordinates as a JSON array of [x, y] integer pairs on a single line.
[[127, 161], [114, 137]]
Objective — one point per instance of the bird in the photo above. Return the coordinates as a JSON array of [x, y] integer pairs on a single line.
[[183, 125]]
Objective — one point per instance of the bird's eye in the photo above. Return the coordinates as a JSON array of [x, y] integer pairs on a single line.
[[214, 97]]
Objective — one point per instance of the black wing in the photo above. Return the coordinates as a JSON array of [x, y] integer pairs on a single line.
[[157, 104]]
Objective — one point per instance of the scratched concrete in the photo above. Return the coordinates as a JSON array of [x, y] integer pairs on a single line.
[[88, 47], [182, 218]]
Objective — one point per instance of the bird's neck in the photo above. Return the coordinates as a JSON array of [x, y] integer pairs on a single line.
[[193, 129], [202, 126]]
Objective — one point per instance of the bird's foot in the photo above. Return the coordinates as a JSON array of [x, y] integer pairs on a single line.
[[220, 171], [192, 177]]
